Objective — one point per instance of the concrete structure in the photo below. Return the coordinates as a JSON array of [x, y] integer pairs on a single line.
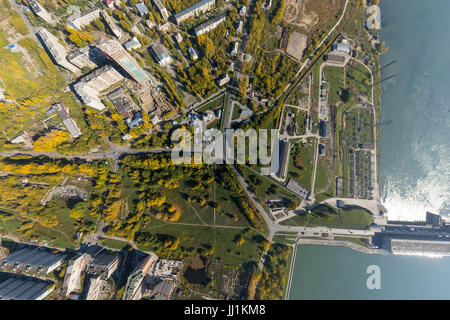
[[86, 56], [104, 264], [25, 289], [55, 49], [133, 44], [72, 279], [114, 50], [161, 8], [90, 86], [94, 288], [111, 24], [417, 245], [298, 188], [133, 289], [209, 25], [160, 54], [194, 10], [64, 115], [40, 11], [35, 260], [141, 8], [85, 18]]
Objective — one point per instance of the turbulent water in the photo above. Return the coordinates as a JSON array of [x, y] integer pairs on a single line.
[[415, 156]]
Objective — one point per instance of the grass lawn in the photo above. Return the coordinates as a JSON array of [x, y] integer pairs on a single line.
[[214, 103], [225, 248], [334, 76], [298, 220], [301, 162], [114, 244]]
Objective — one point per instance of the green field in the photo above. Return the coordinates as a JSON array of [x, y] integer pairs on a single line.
[[301, 162]]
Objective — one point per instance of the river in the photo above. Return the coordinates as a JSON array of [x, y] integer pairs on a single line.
[[415, 163]]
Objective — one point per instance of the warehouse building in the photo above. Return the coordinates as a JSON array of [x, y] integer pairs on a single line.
[[35, 260], [194, 10], [25, 289], [64, 115]]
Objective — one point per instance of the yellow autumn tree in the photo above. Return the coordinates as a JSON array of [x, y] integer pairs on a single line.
[[51, 140]]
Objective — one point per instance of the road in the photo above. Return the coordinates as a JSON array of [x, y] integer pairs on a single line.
[[113, 154], [275, 228]]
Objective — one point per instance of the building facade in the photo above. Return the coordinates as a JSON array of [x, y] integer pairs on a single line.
[[194, 10]]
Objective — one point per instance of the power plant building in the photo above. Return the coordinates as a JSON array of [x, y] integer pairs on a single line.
[[425, 246]]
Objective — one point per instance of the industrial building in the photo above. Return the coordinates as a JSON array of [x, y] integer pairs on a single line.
[[209, 25], [133, 289], [86, 56], [161, 8], [72, 279], [104, 264], [298, 188], [114, 50], [25, 289], [111, 24], [64, 115], [417, 245], [35, 260], [85, 18], [55, 49], [160, 54], [40, 11], [90, 86], [194, 11]]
